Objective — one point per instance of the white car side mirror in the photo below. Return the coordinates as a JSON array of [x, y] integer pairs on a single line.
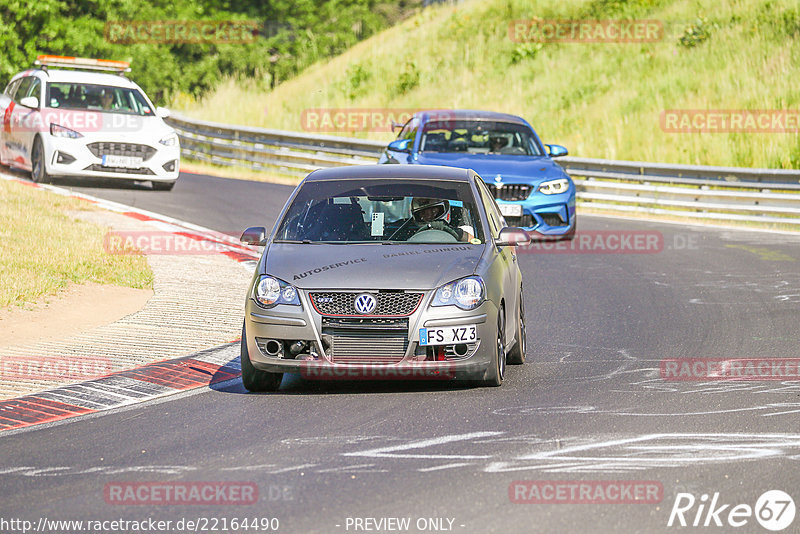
[[163, 112], [30, 102]]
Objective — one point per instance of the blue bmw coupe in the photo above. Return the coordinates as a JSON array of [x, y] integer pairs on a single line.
[[532, 190]]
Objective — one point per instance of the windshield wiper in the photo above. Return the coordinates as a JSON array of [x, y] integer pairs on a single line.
[[294, 241]]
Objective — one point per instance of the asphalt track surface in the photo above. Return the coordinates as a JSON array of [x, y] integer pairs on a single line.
[[590, 404]]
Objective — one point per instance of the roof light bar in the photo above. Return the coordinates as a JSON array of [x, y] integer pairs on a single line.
[[83, 63]]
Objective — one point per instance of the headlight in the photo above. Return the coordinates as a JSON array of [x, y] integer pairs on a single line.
[[170, 140], [270, 291], [554, 187], [467, 293], [57, 130]]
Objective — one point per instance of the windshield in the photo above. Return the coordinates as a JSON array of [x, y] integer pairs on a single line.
[[105, 98], [382, 211], [478, 137]]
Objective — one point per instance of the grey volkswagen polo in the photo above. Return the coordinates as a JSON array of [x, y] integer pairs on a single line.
[[385, 271]]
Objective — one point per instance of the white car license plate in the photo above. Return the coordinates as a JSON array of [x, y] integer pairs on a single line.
[[510, 210], [448, 335], [127, 162]]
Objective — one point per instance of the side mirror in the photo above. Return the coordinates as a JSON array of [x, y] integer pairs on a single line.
[[401, 145], [30, 102], [163, 112], [396, 126], [255, 235], [556, 151], [511, 236]]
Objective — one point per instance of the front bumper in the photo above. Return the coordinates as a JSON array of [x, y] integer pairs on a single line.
[[288, 324], [547, 215], [76, 159]]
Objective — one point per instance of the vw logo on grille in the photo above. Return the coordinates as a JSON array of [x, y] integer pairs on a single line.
[[365, 303]]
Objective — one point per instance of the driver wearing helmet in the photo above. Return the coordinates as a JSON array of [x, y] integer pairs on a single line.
[[434, 213]]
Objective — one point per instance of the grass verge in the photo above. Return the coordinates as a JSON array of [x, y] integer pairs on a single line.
[[43, 248], [601, 100]]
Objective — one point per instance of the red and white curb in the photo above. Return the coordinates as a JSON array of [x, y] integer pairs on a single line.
[[123, 388], [147, 382]]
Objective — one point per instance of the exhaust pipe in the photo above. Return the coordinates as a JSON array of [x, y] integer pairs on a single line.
[[273, 347]]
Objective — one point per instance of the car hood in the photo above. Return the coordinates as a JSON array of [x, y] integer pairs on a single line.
[[528, 169], [368, 266]]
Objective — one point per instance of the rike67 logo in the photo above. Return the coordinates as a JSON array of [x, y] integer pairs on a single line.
[[774, 510]]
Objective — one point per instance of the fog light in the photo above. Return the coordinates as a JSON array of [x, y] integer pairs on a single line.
[[64, 158], [170, 165]]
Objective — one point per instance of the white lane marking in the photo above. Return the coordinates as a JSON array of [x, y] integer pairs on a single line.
[[652, 451], [292, 468], [388, 452], [360, 468], [440, 467]]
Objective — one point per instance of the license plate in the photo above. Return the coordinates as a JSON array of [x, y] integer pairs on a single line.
[[510, 210], [127, 162], [448, 335]]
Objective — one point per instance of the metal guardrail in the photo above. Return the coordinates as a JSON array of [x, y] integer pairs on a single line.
[[716, 193]]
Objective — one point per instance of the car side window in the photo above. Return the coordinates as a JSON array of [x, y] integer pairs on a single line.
[[9, 92], [35, 89], [23, 88], [496, 221], [409, 131]]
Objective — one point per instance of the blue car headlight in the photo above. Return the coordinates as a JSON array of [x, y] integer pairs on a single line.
[[270, 291], [554, 187], [467, 293]]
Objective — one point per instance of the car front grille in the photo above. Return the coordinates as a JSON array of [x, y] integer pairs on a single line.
[[342, 303], [510, 191], [120, 170], [552, 219], [374, 347], [101, 149], [526, 221]]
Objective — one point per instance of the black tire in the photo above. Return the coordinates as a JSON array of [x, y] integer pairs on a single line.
[[163, 186], [516, 356], [498, 371], [253, 379], [38, 168]]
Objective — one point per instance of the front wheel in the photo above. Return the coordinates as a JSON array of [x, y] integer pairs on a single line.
[[38, 169], [498, 371], [516, 356], [253, 379]]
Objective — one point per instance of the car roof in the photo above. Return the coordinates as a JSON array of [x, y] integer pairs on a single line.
[[391, 172], [469, 114], [79, 76]]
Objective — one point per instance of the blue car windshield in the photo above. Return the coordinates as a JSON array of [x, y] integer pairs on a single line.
[[479, 137], [382, 211]]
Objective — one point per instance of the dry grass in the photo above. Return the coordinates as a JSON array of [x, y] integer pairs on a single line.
[[43, 248]]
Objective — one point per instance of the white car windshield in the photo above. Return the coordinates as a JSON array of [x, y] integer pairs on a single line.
[[91, 97]]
